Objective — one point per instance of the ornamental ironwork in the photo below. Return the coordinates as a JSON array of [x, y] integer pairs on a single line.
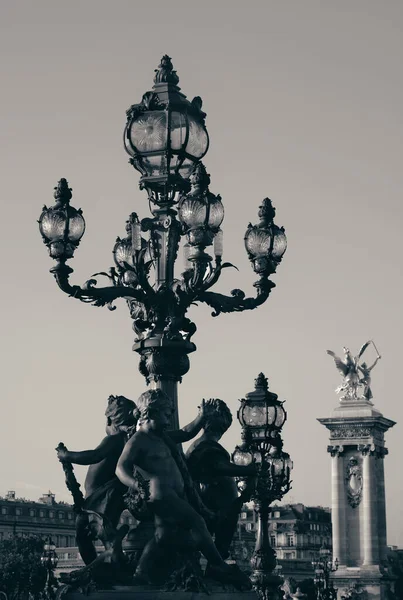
[[166, 137]]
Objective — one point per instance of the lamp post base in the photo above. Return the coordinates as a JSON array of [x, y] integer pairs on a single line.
[[267, 586]]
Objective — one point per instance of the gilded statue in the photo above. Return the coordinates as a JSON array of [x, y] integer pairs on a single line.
[[356, 376]]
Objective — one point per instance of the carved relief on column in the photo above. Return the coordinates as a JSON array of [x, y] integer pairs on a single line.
[[353, 480]]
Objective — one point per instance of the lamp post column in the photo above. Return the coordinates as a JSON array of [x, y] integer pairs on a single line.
[[262, 417], [164, 354], [266, 583]]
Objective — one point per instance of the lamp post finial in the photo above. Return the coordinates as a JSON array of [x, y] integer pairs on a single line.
[[165, 72]]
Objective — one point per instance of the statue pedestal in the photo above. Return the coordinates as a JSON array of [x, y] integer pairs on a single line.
[[154, 593]]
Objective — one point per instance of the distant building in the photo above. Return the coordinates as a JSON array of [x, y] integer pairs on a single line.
[[46, 518], [296, 533]]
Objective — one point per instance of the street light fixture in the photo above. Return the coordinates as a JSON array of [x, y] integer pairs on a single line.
[[166, 138], [49, 560], [324, 565], [61, 225], [262, 417], [265, 243], [165, 135]]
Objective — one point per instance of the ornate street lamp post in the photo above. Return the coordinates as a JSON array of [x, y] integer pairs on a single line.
[[323, 565], [262, 417], [166, 138], [49, 560]]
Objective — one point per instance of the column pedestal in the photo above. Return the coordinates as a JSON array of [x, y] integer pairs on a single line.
[[357, 432]]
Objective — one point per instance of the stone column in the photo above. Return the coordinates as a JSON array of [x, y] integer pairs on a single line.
[[369, 513], [338, 506], [381, 504]]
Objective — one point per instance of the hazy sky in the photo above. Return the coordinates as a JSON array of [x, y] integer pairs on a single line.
[[304, 104]]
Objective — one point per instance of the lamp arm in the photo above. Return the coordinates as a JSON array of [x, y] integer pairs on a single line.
[[237, 301], [215, 273], [89, 293]]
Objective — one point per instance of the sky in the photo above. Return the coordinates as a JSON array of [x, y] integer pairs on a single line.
[[304, 105]]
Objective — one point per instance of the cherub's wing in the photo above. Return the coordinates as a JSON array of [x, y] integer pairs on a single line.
[[340, 365], [363, 348]]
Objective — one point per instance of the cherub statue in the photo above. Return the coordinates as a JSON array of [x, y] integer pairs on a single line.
[[104, 493], [350, 370], [178, 525], [211, 469]]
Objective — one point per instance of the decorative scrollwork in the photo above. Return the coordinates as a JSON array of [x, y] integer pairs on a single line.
[[149, 101], [237, 301], [348, 432], [268, 487], [159, 309]]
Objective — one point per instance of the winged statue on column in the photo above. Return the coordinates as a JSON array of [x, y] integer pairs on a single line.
[[356, 374]]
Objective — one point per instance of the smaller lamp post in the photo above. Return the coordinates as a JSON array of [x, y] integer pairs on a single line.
[[262, 417], [323, 565], [49, 560]]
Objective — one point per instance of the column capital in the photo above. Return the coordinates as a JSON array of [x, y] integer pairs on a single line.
[[372, 450], [366, 449], [381, 451], [335, 451]]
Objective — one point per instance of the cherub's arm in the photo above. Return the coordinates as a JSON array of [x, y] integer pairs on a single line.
[[189, 431], [223, 466], [127, 462], [87, 457]]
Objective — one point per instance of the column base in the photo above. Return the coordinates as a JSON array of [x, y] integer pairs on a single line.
[[368, 578]]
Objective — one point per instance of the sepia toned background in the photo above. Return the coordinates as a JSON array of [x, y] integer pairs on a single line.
[[304, 105]]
